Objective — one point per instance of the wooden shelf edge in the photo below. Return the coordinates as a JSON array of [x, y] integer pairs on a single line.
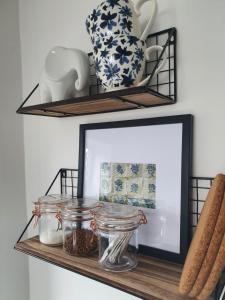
[[156, 93], [54, 109], [80, 272], [152, 279]]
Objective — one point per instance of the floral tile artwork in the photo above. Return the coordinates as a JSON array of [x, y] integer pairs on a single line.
[[128, 183], [149, 170], [105, 184], [121, 199], [119, 170], [105, 169], [105, 197], [135, 170], [119, 185], [134, 186]]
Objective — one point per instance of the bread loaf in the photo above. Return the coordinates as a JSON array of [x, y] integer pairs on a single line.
[[211, 253], [215, 274], [204, 231]]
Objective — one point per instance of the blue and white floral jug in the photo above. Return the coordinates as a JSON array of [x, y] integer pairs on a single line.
[[120, 61], [113, 17]]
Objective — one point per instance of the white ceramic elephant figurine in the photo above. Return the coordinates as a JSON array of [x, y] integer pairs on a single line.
[[65, 74]]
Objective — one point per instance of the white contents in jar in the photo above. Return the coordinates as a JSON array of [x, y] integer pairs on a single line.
[[116, 248], [51, 237]]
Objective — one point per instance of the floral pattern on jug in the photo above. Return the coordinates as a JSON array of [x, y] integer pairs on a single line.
[[119, 61], [113, 17]]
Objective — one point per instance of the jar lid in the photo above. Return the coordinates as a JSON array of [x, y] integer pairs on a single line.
[[119, 217], [117, 211], [79, 208], [53, 200]]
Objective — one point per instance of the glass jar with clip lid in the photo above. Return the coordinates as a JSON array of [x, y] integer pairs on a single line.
[[117, 228], [78, 237], [47, 216]]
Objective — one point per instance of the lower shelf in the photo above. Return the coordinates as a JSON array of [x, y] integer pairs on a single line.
[[152, 279]]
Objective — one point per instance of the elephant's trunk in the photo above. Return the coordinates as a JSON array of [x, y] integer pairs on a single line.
[[82, 68]]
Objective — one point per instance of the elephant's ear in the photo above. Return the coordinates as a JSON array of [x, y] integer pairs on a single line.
[[78, 86], [45, 92], [83, 70]]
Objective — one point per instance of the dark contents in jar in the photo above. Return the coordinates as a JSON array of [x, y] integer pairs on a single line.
[[81, 242]]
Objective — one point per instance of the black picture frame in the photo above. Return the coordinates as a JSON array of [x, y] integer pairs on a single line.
[[187, 128]]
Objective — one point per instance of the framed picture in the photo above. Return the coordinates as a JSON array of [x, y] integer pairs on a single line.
[[146, 163]]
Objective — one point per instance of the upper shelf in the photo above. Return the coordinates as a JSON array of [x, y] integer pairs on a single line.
[[160, 90]]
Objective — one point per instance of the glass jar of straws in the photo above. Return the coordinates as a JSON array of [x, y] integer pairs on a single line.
[[117, 228]]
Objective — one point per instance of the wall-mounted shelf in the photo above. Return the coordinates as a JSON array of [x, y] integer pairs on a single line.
[[152, 279], [160, 90], [128, 99]]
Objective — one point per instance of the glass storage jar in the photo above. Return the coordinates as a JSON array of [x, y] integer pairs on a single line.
[[78, 236], [117, 228], [47, 212]]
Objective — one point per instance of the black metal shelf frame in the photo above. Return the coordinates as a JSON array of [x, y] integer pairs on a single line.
[[199, 187], [163, 86]]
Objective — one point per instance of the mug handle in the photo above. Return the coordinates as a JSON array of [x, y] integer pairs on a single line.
[[148, 52], [137, 7]]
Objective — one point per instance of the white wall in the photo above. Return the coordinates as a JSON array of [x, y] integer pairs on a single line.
[[53, 143], [13, 265]]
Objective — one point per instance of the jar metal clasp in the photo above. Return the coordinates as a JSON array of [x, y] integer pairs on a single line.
[[37, 214], [59, 218], [93, 225], [143, 219]]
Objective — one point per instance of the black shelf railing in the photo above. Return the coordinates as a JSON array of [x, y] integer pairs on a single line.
[[159, 90], [67, 179]]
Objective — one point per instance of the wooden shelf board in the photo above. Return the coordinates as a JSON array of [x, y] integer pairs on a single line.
[[152, 279], [126, 99]]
